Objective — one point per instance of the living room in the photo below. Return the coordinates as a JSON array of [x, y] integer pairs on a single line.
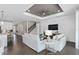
[[27, 25]]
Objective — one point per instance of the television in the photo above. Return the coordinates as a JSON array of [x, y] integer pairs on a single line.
[[53, 27]]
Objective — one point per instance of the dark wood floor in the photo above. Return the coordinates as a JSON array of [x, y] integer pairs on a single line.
[[18, 48]]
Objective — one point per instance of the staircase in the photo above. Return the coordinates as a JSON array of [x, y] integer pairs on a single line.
[[22, 27], [32, 27]]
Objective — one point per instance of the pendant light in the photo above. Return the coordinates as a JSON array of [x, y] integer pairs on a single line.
[[2, 15]]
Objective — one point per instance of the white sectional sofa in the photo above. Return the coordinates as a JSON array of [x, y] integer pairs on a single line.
[[33, 41], [57, 43]]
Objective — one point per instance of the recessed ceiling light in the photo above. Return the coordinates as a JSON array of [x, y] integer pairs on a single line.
[[44, 13], [58, 10], [28, 10]]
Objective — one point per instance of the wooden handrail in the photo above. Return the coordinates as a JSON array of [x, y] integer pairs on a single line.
[[32, 27]]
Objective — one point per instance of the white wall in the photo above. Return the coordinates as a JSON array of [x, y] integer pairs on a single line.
[[77, 29], [66, 25]]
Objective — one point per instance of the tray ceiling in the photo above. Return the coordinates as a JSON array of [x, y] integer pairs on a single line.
[[43, 10]]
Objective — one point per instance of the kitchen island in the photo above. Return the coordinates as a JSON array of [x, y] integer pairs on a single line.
[[3, 38]]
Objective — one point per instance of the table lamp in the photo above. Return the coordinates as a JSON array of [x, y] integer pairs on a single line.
[[48, 33]]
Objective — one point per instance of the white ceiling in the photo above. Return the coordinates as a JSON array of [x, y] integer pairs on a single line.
[[67, 7], [15, 12]]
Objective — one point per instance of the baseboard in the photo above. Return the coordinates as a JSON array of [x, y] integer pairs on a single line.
[[71, 43]]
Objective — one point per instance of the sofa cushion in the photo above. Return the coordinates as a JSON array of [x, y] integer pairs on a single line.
[[60, 36]]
